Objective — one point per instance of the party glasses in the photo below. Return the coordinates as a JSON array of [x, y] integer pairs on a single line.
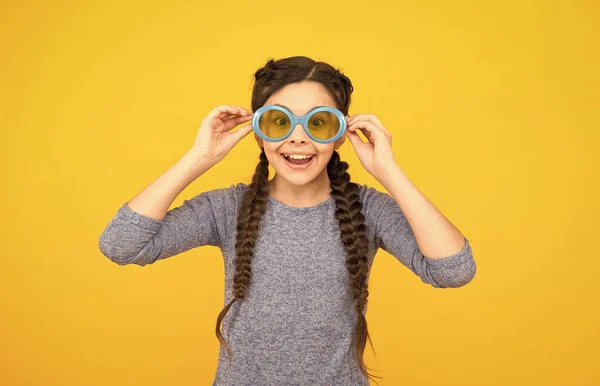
[[275, 123]]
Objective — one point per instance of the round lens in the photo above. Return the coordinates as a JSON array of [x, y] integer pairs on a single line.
[[274, 123], [323, 125]]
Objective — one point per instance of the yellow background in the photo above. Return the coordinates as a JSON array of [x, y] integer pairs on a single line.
[[493, 107]]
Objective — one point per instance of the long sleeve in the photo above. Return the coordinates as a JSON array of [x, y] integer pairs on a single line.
[[394, 235], [133, 238]]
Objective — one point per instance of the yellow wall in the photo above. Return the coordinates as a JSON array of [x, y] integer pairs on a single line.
[[494, 114]]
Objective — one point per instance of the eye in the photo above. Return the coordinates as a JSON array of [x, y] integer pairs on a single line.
[[317, 122], [281, 121]]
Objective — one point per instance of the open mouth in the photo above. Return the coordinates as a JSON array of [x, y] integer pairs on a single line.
[[298, 163]]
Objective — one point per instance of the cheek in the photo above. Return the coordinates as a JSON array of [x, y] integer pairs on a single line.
[[271, 153], [325, 151]]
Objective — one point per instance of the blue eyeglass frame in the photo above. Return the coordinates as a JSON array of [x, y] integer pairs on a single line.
[[303, 120]]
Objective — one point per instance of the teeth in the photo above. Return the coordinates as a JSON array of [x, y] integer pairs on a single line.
[[297, 156]]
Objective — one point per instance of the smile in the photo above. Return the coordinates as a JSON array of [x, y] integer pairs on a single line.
[[300, 166]]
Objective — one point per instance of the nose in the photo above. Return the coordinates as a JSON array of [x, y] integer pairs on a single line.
[[298, 135]]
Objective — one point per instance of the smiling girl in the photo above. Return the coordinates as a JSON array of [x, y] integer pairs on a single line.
[[297, 248]]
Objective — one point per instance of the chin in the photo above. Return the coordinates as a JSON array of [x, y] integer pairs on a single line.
[[297, 180]]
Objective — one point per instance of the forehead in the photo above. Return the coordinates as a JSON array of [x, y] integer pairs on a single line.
[[301, 97]]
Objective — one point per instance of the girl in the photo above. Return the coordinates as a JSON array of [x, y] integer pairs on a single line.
[[297, 248]]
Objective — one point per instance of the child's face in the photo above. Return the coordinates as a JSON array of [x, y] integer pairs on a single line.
[[300, 98]]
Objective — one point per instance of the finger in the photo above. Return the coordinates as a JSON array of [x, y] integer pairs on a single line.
[[234, 121], [227, 117], [234, 108], [356, 141], [222, 109], [368, 117], [369, 129], [241, 132], [372, 118], [227, 110], [241, 112]]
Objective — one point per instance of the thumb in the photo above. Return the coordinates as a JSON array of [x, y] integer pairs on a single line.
[[242, 132], [354, 139]]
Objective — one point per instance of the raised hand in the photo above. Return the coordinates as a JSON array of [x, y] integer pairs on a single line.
[[214, 139], [376, 155]]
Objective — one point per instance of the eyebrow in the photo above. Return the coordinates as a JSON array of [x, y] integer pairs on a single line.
[[277, 104]]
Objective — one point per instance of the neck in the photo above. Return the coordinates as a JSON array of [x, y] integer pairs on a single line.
[[310, 194]]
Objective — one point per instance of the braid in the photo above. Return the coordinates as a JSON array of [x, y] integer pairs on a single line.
[[254, 205], [352, 227], [270, 78]]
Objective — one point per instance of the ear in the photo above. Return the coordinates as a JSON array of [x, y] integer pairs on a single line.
[[340, 142], [258, 139]]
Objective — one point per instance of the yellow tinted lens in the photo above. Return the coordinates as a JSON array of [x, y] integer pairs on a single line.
[[274, 123], [323, 125]]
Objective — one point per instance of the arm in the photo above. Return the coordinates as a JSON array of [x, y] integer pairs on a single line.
[[415, 232], [143, 231], [156, 198]]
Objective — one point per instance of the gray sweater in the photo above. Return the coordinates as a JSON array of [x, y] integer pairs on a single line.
[[295, 325]]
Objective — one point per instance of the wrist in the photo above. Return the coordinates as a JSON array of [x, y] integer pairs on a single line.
[[197, 162], [387, 172]]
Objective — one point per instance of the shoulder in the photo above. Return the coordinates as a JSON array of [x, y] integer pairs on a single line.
[[222, 204], [374, 200], [377, 205], [225, 198]]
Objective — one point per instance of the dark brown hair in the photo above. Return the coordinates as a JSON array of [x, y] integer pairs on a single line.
[[268, 80]]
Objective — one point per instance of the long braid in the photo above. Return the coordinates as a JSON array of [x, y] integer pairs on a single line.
[[352, 228], [268, 80], [254, 205]]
